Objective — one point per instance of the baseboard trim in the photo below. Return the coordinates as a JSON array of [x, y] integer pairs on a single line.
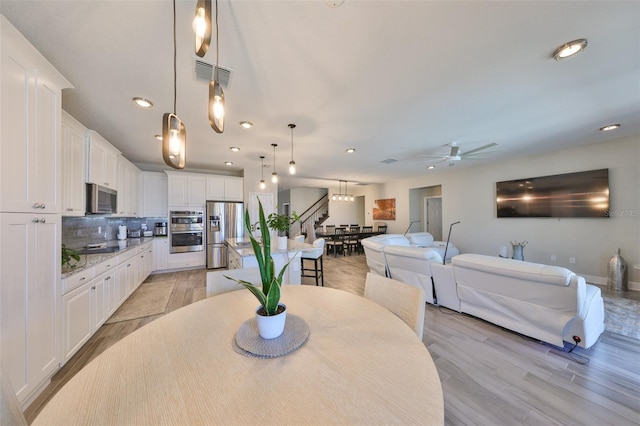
[[602, 282]]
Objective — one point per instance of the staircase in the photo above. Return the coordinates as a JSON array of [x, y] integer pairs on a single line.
[[316, 214]]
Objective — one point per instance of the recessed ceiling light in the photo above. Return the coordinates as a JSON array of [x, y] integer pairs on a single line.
[[229, 163], [246, 124], [142, 102], [350, 150], [158, 137], [569, 49], [431, 167], [234, 148], [609, 127]]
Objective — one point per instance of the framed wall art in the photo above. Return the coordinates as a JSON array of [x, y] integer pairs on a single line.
[[384, 209]]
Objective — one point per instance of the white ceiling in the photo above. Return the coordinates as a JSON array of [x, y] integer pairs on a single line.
[[393, 79]]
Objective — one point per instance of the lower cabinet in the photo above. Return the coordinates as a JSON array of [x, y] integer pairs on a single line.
[[85, 309], [161, 254], [88, 302]]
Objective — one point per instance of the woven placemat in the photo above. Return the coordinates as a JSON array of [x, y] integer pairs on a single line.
[[248, 341]]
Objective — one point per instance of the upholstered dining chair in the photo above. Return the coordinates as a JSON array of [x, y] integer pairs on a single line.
[[315, 255], [367, 229], [382, 229], [336, 242], [352, 239], [404, 300], [217, 283], [330, 229], [10, 412]]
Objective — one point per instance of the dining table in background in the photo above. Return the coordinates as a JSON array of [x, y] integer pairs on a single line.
[[361, 364]]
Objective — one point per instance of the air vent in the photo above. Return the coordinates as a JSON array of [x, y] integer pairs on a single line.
[[389, 161], [204, 72]]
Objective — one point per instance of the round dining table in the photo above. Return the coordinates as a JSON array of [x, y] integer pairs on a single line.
[[360, 364]]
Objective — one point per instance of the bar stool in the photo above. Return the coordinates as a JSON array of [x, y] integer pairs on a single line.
[[315, 255]]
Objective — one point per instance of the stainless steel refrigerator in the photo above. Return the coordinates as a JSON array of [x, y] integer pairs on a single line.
[[224, 220]]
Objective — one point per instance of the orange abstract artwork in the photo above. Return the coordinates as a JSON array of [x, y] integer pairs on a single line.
[[385, 209]]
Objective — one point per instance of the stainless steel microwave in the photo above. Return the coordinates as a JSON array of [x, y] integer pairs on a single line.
[[101, 200]]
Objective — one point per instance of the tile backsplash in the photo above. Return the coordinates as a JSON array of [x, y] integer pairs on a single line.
[[77, 232]]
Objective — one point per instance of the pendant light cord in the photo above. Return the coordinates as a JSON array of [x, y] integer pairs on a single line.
[[217, 46], [174, 59]]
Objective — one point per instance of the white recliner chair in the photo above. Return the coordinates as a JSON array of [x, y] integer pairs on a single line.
[[425, 239], [373, 250], [412, 265]]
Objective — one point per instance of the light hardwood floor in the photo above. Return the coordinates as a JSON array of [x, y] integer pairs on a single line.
[[489, 376]]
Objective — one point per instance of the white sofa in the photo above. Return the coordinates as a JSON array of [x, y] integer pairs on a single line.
[[548, 303], [425, 239], [374, 248], [412, 265]]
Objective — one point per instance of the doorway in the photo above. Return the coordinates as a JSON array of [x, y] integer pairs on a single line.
[[433, 216]]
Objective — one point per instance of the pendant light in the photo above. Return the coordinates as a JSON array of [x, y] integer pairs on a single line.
[[340, 196], [174, 134], [292, 164], [202, 26], [263, 185], [274, 175], [216, 95]]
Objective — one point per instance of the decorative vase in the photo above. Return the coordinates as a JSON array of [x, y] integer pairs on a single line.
[[271, 326], [617, 273], [518, 252], [282, 243]]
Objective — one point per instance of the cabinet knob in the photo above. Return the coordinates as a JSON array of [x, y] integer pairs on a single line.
[[36, 205], [43, 205], [43, 220], [36, 220], [93, 288]]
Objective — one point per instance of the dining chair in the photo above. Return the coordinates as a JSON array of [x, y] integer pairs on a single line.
[[382, 229], [367, 229], [336, 242], [352, 239], [330, 229], [10, 412], [315, 255], [404, 300], [217, 283]]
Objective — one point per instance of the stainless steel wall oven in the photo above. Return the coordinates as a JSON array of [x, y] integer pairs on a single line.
[[186, 231]]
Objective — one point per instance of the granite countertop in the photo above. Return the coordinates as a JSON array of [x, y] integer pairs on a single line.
[[89, 260], [243, 247]]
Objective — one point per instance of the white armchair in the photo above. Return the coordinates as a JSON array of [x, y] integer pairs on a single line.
[[425, 239], [412, 265]]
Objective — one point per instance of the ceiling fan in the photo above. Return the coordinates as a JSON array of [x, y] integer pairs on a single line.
[[456, 154]]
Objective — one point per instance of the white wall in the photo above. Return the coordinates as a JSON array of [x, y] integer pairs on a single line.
[[303, 198], [468, 195]]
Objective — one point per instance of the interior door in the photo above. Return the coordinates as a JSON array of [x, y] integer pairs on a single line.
[[267, 205], [433, 216]]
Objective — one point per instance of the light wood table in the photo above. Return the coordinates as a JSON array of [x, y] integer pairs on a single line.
[[360, 365]]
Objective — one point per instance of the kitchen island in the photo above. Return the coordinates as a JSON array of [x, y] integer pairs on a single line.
[[241, 256]]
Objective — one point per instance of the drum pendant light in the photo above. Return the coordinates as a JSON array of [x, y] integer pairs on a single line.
[[262, 184], [274, 175], [292, 164], [174, 134], [202, 26], [216, 95]]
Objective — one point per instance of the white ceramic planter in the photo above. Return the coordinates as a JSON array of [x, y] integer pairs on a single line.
[[282, 243], [270, 327]]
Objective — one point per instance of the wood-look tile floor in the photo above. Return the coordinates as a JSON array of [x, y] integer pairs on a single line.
[[489, 376]]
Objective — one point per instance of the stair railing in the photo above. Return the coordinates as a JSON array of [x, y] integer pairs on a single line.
[[317, 212]]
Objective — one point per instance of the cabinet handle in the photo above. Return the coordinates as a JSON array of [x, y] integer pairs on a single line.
[[69, 209], [128, 265], [82, 279], [43, 205], [43, 220], [36, 205], [93, 288], [36, 220]]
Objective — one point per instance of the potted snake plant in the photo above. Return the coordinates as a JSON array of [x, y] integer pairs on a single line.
[[271, 314]]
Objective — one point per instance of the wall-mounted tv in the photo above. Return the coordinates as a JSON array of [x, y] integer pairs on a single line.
[[581, 194]]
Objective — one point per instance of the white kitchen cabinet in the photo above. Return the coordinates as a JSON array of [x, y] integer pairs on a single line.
[[186, 189], [102, 163], [145, 263], [73, 167], [128, 188], [30, 136], [77, 322], [152, 194], [224, 188], [124, 281], [161, 253], [29, 289], [85, 309]]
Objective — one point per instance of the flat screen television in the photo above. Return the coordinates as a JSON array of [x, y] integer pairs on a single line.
[[581, 194]]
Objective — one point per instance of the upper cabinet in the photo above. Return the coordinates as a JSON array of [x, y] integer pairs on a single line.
[[128, 188], [224, 188], [152, 198], [73, 166], [30, 144], [102, 164], [186, 189]]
